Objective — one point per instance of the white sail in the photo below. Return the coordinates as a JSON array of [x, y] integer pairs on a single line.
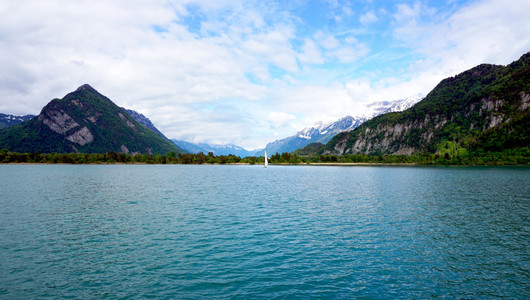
[[266, 160]]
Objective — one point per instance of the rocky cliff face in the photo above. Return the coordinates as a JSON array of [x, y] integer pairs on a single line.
[[463, 109]]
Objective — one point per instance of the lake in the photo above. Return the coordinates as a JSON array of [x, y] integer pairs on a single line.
[[194, 231]]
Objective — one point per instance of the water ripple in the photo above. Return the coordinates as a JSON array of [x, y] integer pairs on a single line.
[[245, 232]]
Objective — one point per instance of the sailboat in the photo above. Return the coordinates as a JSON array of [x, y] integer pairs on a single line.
[[266, 160]]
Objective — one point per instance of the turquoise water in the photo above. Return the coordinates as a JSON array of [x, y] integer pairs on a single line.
[[177, 231]]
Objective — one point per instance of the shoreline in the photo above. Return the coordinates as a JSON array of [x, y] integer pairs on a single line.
[[271, 164], [363, 164]]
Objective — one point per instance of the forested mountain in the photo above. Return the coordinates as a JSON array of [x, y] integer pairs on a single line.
[[483, 109], [84, 121], [12, 120]]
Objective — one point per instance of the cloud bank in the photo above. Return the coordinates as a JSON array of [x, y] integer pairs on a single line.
[[247, 72]]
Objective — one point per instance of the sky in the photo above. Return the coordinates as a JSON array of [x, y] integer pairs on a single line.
[[247, 72]]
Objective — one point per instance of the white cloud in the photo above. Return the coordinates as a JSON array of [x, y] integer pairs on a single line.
[[311, 54], [314, 102], [339, 12], [346, 50], [327, 41], [347, 11], [408, 13], [331, 102], [350, 53], [279, 118], [368, 18], [273, 47], [482, 32]]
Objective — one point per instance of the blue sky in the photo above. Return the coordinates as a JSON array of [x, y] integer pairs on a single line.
[[248, 72]]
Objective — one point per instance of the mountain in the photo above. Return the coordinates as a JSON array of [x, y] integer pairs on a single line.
[[140, 118], [12, 120], [483, 109], [216, 149], [323, 132], [83, 121], [318, 133]]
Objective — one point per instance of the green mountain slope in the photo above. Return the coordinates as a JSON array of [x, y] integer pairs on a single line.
[[483, 109], [84, 121]]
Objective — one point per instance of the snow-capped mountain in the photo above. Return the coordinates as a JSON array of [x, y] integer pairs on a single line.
[[216, 149], [382, 107], [11, 120], [318, 133], [323, 132]]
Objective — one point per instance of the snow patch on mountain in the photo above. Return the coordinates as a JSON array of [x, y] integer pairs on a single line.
[[7, 120]]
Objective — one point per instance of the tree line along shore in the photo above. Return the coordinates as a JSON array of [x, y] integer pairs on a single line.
[[520, 156]]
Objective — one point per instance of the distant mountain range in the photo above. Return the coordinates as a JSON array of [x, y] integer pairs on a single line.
[[12, 120], [318, 133], [84, 121], [323, 132], [215, 149]]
